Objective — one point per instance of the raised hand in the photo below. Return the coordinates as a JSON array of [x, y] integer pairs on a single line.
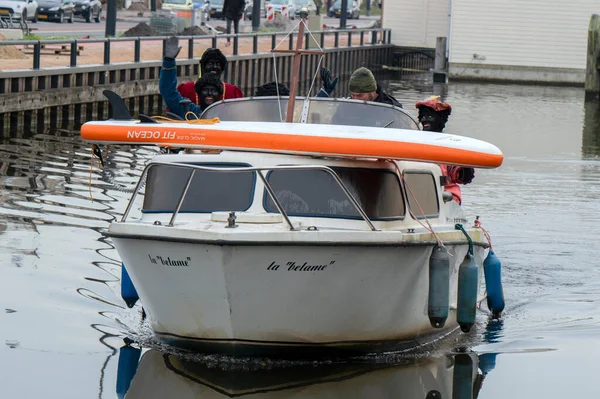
[[172, 47], [328, 84]]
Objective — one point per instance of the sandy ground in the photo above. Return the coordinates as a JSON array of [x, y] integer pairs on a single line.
[[93, 53]]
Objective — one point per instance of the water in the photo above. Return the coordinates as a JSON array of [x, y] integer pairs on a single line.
[[62, 321]]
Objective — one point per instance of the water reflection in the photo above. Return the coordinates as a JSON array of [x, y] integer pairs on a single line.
[[161, 375], [590, 146]]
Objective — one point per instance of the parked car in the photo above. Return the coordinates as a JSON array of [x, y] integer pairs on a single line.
[[58, 10], [308, 4], [216, 9], [279, 4], [88, 9], [19, 9], [353, 10]]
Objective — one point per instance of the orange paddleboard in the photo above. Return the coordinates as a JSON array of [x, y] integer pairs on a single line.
[[301, 139]]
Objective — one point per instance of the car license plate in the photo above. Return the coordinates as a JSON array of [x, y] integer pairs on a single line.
[[212, 12], [4, 12], [42, 16]]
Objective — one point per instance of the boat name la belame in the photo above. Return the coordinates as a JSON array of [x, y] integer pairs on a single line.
[[299, 267], [170, 262]]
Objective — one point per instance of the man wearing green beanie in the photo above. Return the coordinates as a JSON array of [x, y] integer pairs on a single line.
[[362, 86]]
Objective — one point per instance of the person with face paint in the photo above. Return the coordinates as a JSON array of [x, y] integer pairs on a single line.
[[433, 115], [212, 62], [208, 88]]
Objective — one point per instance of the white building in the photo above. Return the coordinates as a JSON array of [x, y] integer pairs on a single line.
[[416, 23], [517, 40]]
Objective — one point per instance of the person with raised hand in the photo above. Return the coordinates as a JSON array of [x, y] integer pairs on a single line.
[[328, 84], [208, 88], [214, 62]]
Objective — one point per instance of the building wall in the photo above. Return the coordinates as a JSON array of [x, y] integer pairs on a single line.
[[416, 23], [519, 35]]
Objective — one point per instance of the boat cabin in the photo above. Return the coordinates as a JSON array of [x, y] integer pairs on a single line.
[[300, 190]]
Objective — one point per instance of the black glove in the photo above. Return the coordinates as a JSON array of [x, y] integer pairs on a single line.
[[328, 84], [466, 175], [172, 47]]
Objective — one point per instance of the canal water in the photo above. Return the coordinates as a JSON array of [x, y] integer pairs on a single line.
[[62, 321]]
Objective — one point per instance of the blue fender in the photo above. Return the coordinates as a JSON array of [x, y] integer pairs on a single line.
[[128, 291], [467, 293], [439, 287], [492, 268]]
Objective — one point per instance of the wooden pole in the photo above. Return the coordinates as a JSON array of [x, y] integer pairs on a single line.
[[440, 68], [592, 77], [295, 71]]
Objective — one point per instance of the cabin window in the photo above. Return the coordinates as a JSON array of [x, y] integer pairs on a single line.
[[209, 192], [313, 192], [422, 193]]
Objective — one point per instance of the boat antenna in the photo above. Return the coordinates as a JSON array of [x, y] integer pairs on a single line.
[[298, 51]]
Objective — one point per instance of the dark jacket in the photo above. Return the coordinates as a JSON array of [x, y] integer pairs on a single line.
[[167, 85], [382, 97], [233, 9]]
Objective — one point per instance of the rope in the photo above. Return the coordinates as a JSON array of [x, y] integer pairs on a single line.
[[275, 70], [311, 35], [277, 85], [195, 121], [477, 225], [90, 179], [320, 58], [429, 227]]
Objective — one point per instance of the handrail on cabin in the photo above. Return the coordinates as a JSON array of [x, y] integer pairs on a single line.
[[259, 170]]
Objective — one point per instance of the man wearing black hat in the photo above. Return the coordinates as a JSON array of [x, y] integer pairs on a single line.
[[362, 86], [214, 62]]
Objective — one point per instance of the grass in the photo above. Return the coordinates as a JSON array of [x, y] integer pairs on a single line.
[[33, 36]]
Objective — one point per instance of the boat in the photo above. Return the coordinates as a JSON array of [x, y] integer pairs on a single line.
[[302, 244], [160, 375]]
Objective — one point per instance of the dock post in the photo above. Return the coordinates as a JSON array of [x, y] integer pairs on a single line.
[[440, 66], [592, 76]]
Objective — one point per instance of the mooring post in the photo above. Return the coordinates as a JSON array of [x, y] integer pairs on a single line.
[[440, 66], [592, 76]]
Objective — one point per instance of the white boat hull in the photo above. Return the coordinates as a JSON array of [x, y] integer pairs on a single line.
[[287, 300]]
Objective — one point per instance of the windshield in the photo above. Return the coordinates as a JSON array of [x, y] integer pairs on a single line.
[[216, 2], [316, 193], [325, 111], [174, 2], [229, 191], [279, 2], [302, 3]]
